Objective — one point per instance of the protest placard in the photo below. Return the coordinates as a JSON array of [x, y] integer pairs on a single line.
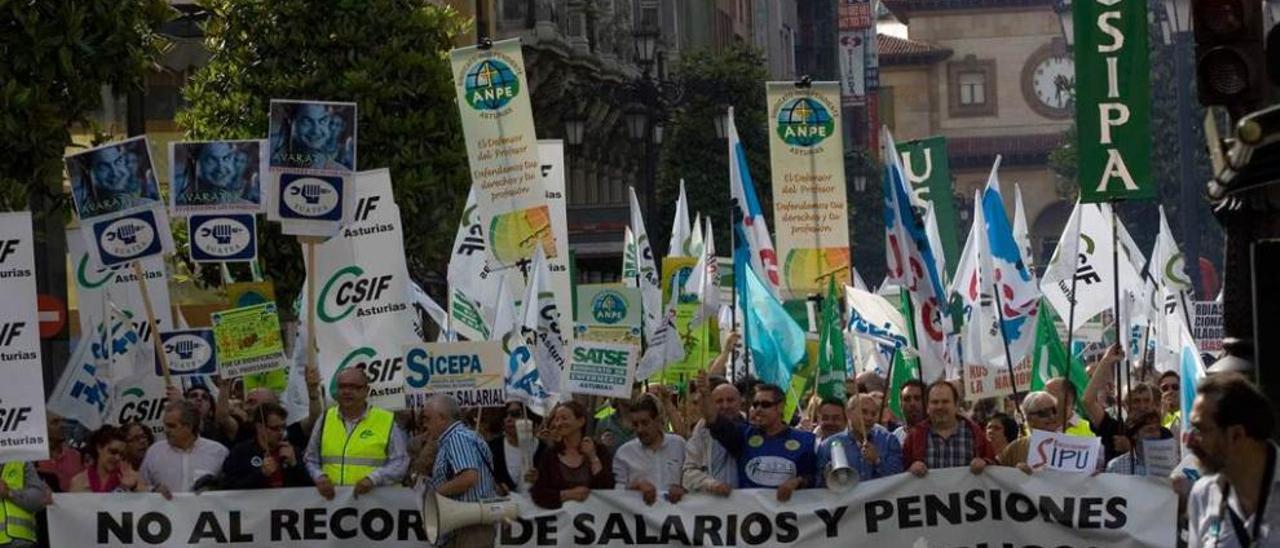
[[601, 369], [191, 352], [223, 238], [217, 176], [1058, 451], [22, 417], [1160, 456], [312, 163], [248, 340], [469, 371]]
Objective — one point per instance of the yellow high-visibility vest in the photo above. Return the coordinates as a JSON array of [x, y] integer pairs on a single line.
[[348, 459], [17, 523]]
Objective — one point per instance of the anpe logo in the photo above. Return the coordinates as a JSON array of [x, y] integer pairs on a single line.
[[223, 237], [804, 122], [348, 288], [608, 308], [127, 238], [310, 196], [187, 352], [490, 84]]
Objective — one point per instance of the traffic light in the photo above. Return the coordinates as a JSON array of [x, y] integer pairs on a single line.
[[1230, 63]]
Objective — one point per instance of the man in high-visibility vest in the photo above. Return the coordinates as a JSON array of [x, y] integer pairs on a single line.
[[355, 443], [22, 493]]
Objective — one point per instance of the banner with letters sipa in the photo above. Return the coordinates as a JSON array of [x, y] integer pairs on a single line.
[[810, 208], [470, 371], [1113, 100], [22, 420], [926, 166], [502, 148]]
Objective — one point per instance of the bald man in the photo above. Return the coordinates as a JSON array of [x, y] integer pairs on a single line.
[[708, 467], [355, 443]]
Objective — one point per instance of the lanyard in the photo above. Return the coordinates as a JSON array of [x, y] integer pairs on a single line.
[[1244, 536]]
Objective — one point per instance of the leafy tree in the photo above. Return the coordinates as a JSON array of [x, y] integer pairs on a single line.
[[711, 81], [390, 57], [55, 58]]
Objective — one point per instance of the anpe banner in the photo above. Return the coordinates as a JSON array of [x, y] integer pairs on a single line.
[[497, 124], [926, 166], [22, 417], [363, 318], [950, 507], [601, 369], [248, 340], [1113, 100], [608, 313], [469, 371], [810, 208]]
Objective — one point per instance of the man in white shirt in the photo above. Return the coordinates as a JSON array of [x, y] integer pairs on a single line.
[[653, 460], [1238, 502], [175, 464], [708, 467]]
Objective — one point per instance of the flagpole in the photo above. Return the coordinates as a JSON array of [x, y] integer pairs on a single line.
[[1071, 333], [1115, 294], [733, 305], [914, 339], [1004, 338]]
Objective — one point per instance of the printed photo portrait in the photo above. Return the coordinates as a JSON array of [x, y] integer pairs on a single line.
[[217, 176], [112, 178], [313, 135]]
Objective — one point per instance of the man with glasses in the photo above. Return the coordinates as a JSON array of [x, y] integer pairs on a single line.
[[870, 448], [267, 459], [1042, 413], [462, 470], [355, 443], [1237, 503], [946, 439], [176, 463], [769, 453]]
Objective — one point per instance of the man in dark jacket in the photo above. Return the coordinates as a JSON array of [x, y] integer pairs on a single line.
[[267, 460], [946, 439]]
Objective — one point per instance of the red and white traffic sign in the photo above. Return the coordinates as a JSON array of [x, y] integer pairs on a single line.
[[52, 314]]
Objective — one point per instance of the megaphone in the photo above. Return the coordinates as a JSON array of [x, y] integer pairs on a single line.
[[839, 475], [441, 515]]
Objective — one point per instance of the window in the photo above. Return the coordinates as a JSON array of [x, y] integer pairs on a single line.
[[971, 89]]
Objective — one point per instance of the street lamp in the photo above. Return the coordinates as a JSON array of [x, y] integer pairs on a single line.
[[658, 128], [1178, 37], [574, 127], [637, 118], [646, 47], [1063, 9]]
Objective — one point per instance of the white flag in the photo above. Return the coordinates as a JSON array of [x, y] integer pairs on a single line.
[[704, 281], [680, 227], [541, 323], [522, 379], [696, 238], [650, 288], [1020, 234], [1066, 263], [472, 291], [664, 346]]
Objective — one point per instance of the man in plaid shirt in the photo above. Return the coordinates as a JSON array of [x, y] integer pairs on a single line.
[[946, 439]]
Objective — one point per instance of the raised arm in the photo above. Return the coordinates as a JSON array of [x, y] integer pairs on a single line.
[[1104, 370]]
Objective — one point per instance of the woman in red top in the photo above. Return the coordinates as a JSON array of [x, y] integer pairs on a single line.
[[576, 465], [110, 472]]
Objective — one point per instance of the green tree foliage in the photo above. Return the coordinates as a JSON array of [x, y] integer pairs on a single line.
[[55, 58], [390, 57], [692, 151]]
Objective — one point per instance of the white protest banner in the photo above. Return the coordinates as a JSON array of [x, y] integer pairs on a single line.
[[810, 208], [1160, 456], [497, 124], [280, 518], [312, 164], [140, 398], [248, 340], [22, 421], [1058, 451], [190, 351], [551, 154], [1208, 326], [470, 371], [95, 286], [601, 369], [1001, 507], [363, 317]]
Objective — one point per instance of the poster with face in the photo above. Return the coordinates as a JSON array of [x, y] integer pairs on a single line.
[[217, 176], [313, 135], [112, 178]]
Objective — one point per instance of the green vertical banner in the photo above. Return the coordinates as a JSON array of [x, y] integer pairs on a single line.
[[926, 167], [831, 353], [1113, 100], [904, 368]]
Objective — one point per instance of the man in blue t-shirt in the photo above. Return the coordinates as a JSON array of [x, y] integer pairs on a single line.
[[769, 453]]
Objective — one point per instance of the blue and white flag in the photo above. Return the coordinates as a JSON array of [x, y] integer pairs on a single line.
[[873, 318], [523, 382], [776, 342], [85, 393], [748, 218], [1004, 269]]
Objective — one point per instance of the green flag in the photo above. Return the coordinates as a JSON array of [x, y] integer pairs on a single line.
[[1051, 358], [831, 347], [904, 368]]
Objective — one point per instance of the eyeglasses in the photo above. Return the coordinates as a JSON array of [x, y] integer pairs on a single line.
[[763, 404], [1041, 413]]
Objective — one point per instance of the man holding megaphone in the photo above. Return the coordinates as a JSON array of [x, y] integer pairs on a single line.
[[463, 468]]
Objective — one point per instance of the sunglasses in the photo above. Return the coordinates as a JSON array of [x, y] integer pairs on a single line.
[[1041, 413], [762, 404]]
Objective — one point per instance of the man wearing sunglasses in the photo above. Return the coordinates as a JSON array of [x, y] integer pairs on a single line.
[[1042, 413], [770, 453]]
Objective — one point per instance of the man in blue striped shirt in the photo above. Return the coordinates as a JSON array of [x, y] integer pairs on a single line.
[[880, 458], [463, 468]]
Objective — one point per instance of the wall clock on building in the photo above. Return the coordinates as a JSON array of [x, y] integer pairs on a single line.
[[1048, 81]]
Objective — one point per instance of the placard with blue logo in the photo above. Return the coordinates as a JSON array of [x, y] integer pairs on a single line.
[[470, 371], [190, 352], [312, 164], [223, 238]]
